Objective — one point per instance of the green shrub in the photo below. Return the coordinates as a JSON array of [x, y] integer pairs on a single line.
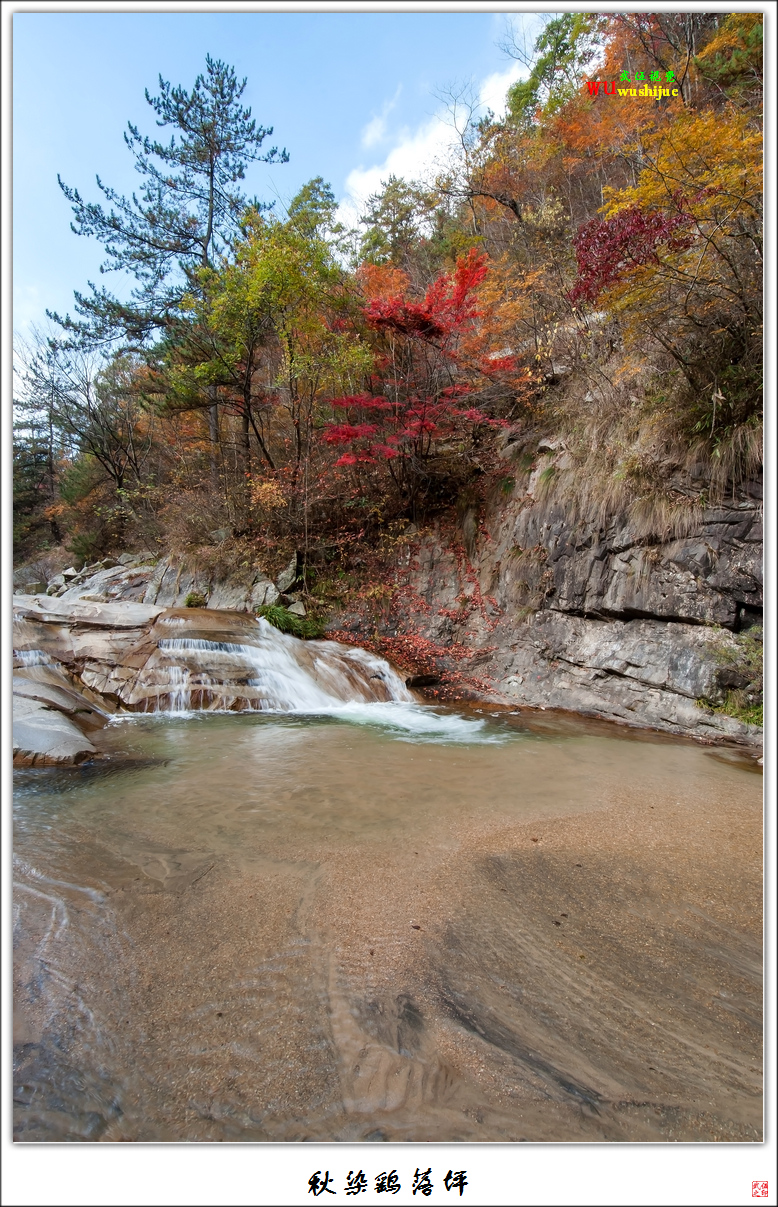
[[195, 599], [85, 546], [287, 622], [744, 703]]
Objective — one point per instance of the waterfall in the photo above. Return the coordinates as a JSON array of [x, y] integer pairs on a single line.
[[180, 689], [263, 671], [205, 660], [33, 658]]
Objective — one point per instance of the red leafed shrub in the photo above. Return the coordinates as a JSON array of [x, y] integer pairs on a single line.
[[606, 249], [448, 304], [431, 378]]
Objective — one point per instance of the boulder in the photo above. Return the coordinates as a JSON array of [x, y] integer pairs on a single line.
[[288, 576], [44, 736], [228, 597], [263, 594]]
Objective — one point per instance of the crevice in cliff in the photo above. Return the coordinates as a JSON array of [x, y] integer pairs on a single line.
[[626, 615]]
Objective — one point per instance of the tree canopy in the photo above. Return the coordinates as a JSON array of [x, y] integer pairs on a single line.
[[589, 263], [187, 210]]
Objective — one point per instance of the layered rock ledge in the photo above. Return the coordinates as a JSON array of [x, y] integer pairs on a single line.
[[556, 611], [568, 611]]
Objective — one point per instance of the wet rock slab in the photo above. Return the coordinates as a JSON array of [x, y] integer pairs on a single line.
[[42, 736]]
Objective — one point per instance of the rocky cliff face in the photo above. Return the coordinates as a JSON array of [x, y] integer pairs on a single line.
[[535, 603], [565, 611]]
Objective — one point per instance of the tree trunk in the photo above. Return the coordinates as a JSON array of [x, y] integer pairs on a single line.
[[245, 436], [213, 436]]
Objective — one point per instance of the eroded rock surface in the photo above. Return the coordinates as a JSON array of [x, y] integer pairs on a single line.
[[558, 611], [561, 612], [51, 715]]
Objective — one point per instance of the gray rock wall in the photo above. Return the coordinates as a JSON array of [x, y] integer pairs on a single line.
[[560, 610], [165, 583], [588, 616]]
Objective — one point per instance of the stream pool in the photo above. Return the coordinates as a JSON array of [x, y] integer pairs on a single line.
[[388, 922]]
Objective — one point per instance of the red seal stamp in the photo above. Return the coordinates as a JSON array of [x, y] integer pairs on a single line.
[[758, 1190]]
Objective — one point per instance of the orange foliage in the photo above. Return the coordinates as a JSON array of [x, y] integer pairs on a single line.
[[380, 282]]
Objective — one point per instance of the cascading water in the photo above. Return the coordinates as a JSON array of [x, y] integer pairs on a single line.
[[269, 672], [275, 673], [180, 690], [201, 660], [29, 658]]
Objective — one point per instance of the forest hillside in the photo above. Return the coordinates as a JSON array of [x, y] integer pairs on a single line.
[[519, 405]]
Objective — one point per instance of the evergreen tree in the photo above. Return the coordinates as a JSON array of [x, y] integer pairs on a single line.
[[188, 207], [313, 209], [393, 219], [32, 484]]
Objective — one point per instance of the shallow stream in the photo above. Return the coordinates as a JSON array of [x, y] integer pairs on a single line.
[[386, 922]]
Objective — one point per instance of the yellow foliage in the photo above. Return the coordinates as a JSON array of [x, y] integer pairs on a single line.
[[719, 152], [267, 494], [382, 281], [731, 36]]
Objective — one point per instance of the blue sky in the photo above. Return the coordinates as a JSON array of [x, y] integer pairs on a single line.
[[350, 95]]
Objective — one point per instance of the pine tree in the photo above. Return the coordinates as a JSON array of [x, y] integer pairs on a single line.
[[185, 212]]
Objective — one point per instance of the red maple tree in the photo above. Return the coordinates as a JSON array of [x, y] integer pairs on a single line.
[[433, 381]]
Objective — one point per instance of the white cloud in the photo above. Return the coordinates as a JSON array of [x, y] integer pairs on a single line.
[[494, 90], [375, 130], [411, 158], [418, 151]]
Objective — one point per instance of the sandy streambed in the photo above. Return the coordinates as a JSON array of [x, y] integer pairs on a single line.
[[388, 926]]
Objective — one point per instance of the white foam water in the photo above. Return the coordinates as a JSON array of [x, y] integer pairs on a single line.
[[287, 675], [308, 678], [33, 657], [418, 723]]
